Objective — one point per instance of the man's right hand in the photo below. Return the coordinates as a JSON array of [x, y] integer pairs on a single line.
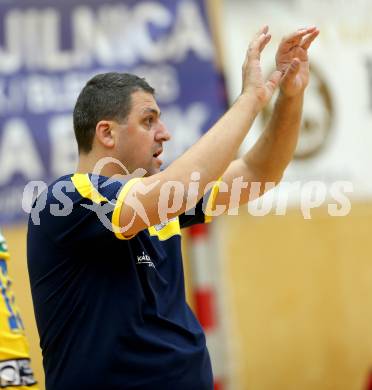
[[254, 85]]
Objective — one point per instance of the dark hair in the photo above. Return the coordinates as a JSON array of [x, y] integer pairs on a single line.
[[105, 96]]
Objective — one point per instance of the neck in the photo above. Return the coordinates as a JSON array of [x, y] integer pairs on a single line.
[[91, 163]]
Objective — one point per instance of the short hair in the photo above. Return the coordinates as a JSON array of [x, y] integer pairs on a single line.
[[106, 96]]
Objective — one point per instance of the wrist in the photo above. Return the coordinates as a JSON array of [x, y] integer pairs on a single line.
[[290, 96], [248, 100]]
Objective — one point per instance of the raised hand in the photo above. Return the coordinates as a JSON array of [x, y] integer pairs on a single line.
[[292, 60], [254, 84]]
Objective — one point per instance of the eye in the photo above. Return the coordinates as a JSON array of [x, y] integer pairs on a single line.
[[149, 121]]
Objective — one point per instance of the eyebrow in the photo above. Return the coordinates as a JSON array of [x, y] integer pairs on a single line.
[[152, 111]]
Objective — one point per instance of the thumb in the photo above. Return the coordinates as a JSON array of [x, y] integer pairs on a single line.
[[292, 69], [273, 81]]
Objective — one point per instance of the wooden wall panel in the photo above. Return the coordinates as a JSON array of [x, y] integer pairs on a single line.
[[301, 299]]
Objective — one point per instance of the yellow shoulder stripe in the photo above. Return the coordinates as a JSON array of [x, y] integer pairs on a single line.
[[4, 256], [117, 210], [86, 189], [163, 232], [211, 201]]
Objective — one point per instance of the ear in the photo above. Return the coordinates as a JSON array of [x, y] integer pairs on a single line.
[[105, 134]]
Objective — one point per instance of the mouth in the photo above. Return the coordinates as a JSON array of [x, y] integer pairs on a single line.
[[158, 153]]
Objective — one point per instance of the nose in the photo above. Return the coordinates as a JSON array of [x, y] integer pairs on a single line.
[[162, 134]]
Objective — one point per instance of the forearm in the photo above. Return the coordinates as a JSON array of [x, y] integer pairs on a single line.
[[212, 154], [209, 157], [266, 161], [275, 148]]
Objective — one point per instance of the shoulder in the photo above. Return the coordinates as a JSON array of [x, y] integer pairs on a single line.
[[76, 206]]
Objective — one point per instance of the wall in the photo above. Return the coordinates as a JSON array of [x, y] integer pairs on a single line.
[[301, 299]]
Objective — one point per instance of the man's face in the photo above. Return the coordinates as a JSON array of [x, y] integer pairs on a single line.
[[140, 139]]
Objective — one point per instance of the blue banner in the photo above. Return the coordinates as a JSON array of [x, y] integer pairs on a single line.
[[48, 50]]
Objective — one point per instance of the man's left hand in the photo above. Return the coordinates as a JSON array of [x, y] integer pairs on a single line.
[[292, 60]]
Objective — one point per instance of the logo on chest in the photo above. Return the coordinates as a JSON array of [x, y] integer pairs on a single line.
[[145, 259]]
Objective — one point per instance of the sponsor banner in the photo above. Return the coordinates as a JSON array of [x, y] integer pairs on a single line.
[[336, 137], [49, 50]]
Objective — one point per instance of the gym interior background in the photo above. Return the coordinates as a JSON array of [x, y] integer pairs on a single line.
[[294, 293]]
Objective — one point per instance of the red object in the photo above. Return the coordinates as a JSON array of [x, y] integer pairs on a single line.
[[369, 382], [204, 292], [205, 308], [217, 385], [199, 230]]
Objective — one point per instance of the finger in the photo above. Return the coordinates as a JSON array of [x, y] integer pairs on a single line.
[[263, 30], [299, 33], [307, 40], [256, 47], [265, 42], [273, 81], [294, 38], [292, 69]]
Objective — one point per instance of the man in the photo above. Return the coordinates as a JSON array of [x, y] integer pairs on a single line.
[[15, 369], [104, 253]]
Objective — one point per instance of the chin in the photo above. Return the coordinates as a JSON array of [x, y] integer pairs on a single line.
[[152, 171]]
